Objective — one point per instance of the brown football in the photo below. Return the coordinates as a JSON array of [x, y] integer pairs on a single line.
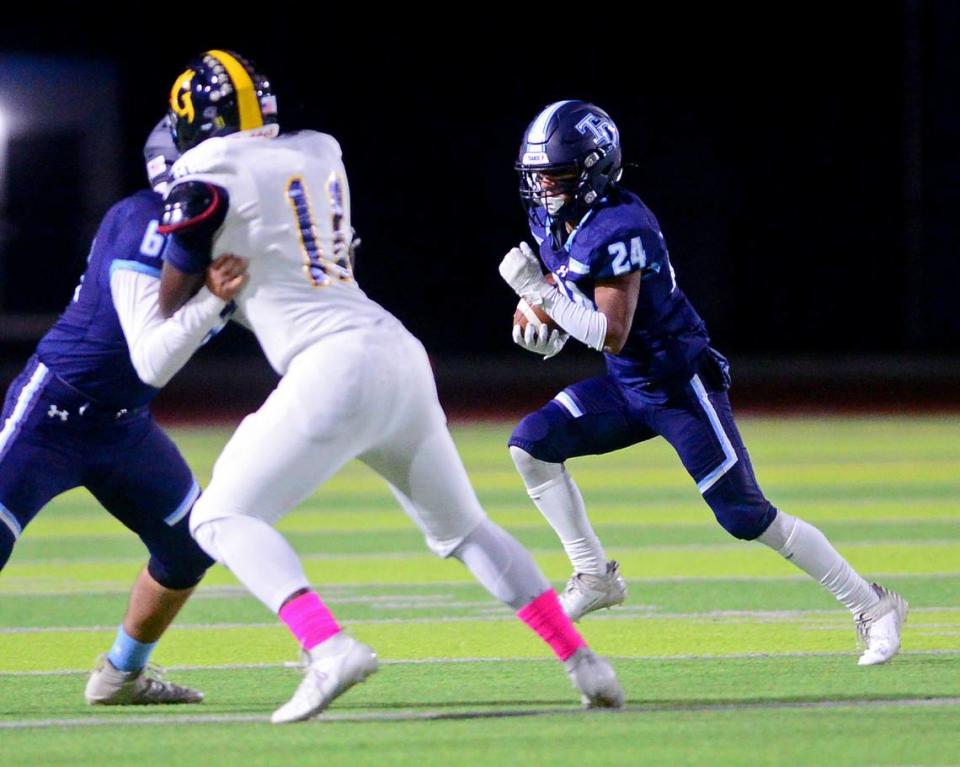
[[526, 313]]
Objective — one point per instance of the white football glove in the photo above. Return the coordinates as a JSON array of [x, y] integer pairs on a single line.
[[540, 340], [520, 269]]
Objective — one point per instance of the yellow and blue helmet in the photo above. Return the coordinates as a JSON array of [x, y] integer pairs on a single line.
[[220, 93]]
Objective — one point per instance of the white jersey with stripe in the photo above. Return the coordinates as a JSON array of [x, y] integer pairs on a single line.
[[289, 214]]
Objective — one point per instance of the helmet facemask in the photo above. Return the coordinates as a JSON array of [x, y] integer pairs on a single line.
[[566, 192], [159, 154], [549, 189]]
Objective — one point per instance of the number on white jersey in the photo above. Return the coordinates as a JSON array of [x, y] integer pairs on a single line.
[[320, 269]]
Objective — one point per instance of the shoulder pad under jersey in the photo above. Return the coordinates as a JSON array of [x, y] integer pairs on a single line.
[[194, 205]]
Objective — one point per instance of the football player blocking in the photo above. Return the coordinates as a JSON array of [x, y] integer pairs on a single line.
[[78, 415], [355, 383], [612, 287]]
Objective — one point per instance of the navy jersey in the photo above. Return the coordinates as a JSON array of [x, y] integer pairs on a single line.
[[86, 347], [617, 236]]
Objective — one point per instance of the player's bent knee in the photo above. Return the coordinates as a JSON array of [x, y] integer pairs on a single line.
[[205, 536], [184, 571], [7, 540], [205, 511], [446, 547], [740, 506], [744, 521], [540, 435]]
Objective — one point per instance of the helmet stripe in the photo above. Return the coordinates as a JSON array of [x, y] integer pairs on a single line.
[[538, 131], [247, 103]]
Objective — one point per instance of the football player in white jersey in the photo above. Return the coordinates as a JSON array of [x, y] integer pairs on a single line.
[[355, 383]]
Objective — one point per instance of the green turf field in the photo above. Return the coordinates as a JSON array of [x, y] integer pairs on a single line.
[[727, 654]]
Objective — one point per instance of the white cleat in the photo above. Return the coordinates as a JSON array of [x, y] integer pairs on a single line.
[[585, 593], [333, 667], [879, 627], [595, 679], [109, 687]]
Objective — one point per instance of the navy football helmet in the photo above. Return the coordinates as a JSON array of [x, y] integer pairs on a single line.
[[218, 94], [576, 146], [160, 154]]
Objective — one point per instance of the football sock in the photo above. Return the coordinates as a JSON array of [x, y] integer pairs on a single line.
[[257, 555], [309, 620], [553, 491], [127, 654], [545, 616], [809, 549], [501, 565]]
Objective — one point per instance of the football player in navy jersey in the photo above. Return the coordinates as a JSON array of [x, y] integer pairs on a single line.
[[78, 415], [612, 287]]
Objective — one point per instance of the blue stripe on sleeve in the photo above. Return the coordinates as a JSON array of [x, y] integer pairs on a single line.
[[134, 266]]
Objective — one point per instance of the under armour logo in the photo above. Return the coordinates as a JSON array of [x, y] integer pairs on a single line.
[[603, 131], [562, 271], [55, 412]]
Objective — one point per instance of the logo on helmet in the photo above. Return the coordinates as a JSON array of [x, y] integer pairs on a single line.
[[181, 98], [602, 130]]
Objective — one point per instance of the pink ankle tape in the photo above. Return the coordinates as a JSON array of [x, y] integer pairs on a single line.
[[545, 616], [309, 620]]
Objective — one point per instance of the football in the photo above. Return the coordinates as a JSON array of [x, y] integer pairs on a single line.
[[526, 314]]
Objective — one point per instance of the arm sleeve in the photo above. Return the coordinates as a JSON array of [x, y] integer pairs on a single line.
[[584, 323], [158, 347]]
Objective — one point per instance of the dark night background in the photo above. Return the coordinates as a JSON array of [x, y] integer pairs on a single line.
[[802, 164]]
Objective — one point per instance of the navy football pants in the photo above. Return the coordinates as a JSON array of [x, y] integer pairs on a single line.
[[53, 439], [599, 415]]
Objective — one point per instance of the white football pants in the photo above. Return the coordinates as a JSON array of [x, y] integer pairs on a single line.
[[365, 393]]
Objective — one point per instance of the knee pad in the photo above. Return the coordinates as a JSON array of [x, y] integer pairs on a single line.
[[184, 571], [542, 434], [743, 516]]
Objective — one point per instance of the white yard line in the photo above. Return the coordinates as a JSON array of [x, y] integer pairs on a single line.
[[419, 553], [488, 614], [458, 661], [11, 586], [506, 712]]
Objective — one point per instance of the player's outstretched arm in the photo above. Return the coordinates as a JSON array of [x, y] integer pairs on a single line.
[[160, 346]]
